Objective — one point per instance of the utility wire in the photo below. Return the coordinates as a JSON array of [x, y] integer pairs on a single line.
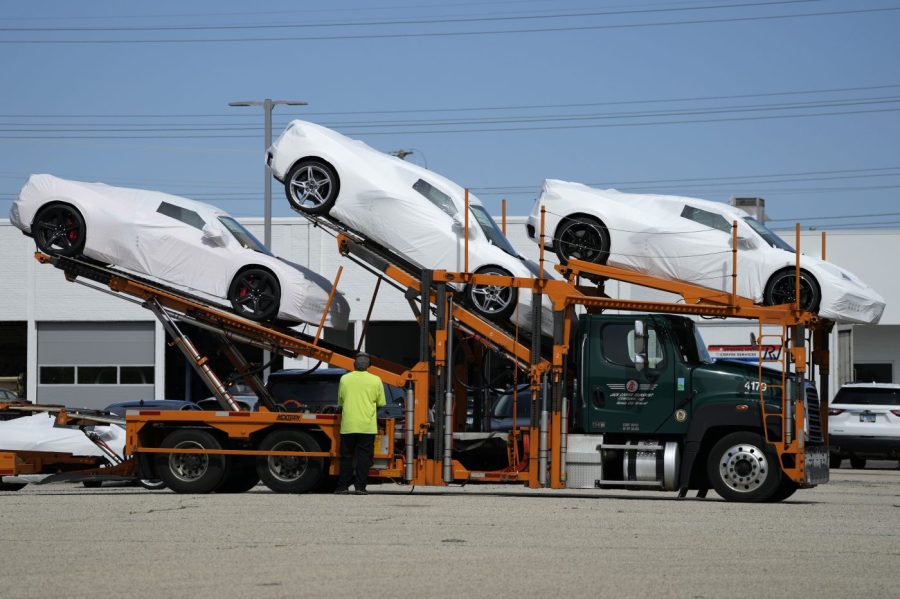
[[439, 34], [139, 127], [422, 21], [471, 108]]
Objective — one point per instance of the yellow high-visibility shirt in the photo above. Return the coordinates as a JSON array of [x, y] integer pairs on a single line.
[[360, 394]]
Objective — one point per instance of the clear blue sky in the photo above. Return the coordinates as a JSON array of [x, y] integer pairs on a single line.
[[149, 114]]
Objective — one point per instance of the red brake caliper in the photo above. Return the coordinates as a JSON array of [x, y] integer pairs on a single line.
[[73, 234]]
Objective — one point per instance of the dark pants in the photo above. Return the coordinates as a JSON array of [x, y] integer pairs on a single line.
[[359, 447]]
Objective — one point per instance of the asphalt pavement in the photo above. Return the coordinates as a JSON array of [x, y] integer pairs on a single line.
[[838, 540]]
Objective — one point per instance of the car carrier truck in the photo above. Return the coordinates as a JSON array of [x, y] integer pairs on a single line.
[[618, 401]]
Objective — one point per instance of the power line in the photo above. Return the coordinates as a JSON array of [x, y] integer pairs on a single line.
[[166, 127], [472, 108], [56, 136], [382, 23], [697, 180], [439, 34]]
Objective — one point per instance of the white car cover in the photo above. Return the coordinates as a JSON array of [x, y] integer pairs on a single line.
[[410, 210], [39, 433], [196, 249], [690, 239]]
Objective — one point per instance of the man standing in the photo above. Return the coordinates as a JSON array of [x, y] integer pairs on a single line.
[[360, 394]]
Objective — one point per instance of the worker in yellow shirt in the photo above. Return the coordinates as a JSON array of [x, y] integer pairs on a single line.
[[360, 394]]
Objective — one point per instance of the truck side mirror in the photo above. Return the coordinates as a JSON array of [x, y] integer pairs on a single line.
[[640, 345]]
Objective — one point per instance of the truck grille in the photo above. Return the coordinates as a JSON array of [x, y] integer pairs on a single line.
[[814, 415]]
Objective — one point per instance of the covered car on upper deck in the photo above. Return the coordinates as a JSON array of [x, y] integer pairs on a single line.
[[413, 212], [691, 240], [182, 242]]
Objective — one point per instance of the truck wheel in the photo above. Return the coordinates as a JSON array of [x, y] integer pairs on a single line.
[[741, 469], [12, 486], [241, 475], [858, 463], [787, 488], [834, 461], [191, 472], [288, 474]]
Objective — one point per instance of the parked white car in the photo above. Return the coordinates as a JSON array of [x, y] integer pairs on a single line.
[[691, 240], [176, 240], [864, 422], [405, 208]]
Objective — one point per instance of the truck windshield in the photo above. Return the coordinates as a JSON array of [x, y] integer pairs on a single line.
[[491, 230], [690, 343], [768, 235], [244, 237]]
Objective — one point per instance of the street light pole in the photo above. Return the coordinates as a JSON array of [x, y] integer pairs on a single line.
[[267, 105]]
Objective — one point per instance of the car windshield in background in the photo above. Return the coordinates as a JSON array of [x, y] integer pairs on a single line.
[[491, 230], [436, 196], [768, 235], [867, 396], [244, 237]]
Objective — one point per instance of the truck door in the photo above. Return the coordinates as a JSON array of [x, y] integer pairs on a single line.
[[617, 397]]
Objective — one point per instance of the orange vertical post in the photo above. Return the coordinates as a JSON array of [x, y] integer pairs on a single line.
[[823, 246], [797, 274], [467, 231], [541, 260], [733, 263], [328, 304], [503, 215]]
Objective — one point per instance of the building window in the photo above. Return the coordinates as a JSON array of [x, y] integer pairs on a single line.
[[57, 375], [874, 373], [136, 375], [98, 375]]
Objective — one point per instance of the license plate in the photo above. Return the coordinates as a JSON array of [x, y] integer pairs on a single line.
[[867, 417]]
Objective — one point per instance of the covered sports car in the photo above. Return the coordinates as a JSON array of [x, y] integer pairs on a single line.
[[691, 240], [405, 208], [176, 240]]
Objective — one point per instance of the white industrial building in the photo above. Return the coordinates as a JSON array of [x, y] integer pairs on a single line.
[[81, 347]]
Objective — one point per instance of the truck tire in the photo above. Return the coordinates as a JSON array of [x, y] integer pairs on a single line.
[[787, 488], [834, 461], [286, 474], [241, 475], [191, 472], [12, 486], [741, 468], [857, 463]]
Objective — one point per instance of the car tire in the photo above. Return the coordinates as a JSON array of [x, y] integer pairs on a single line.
[[494, 302], [312, 186], [12, 486], [858, 463], [255, 293], [152, 485], [59, 230], [782, 288], [191, 472], [287, 474], [582, 238], [741, 468]]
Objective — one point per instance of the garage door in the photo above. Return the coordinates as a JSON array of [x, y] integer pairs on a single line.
[[94, 364]]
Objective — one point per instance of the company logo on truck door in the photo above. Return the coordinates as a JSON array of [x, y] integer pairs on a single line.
[[631, 393]]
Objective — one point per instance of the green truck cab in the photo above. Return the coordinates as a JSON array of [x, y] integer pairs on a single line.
[[651, 409]]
